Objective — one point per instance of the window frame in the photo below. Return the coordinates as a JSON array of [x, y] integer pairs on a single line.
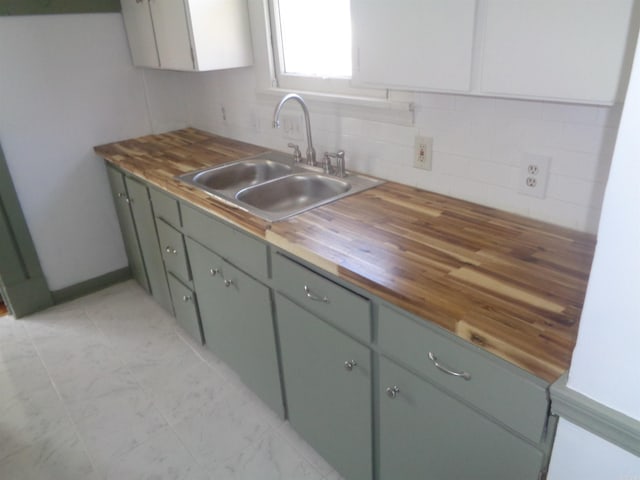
[[314, 84]]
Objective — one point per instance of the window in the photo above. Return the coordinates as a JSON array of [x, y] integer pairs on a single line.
[[312, 47]]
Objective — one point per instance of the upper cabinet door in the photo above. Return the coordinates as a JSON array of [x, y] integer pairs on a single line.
[[220, 33], [172, 34], [188, 34], [413, 44], [137, 21], [555, 49]]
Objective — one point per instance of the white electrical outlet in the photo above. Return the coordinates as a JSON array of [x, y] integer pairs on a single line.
[[423, 151], [534, 175]]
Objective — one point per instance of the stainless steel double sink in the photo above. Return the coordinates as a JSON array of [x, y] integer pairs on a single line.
[[273, 187]]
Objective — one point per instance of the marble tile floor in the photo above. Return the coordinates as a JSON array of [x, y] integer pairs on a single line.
[[109, 387]]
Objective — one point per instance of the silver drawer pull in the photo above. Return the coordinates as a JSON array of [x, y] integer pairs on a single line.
[[349, 364], [216, 271], [313, 296], [169, 249], [444, 369], [392, 392], [186, 298]]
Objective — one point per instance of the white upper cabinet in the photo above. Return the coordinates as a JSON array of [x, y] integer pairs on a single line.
[[556, 49], [188, 34], [413, 44], [142, 43], [563, 50]]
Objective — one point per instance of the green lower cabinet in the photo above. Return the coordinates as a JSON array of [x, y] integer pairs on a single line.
[[186, 308], [128, 227], [237, 321], [327, 380], [427, 435], [146, 227]]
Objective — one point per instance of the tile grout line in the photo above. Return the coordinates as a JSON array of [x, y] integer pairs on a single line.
[[64, 405]]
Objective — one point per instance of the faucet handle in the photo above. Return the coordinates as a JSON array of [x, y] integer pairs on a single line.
[[326, 163], [297, 155], [340, 164]]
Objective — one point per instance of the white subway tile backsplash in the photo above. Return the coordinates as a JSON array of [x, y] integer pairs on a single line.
[[582, 138], [518, 109], [610, 116], [435, 100], [470, 190], [574, 190], [569, 113], [478, 142], [580, 165]]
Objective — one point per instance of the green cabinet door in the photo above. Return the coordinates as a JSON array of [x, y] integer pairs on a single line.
[[425, 434], [237, 321], [186, 308], [127, 226], [327, 381], [147, 236]]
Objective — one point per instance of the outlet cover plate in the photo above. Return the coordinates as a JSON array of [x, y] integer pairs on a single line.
[[534, 175]]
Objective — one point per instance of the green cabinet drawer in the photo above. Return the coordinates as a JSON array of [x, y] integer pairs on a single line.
[[185, 307], [165, 207], [244, 251], [425, 433], [327, 381], [330, 301], [511, 396], [173, 251], [237, 321]]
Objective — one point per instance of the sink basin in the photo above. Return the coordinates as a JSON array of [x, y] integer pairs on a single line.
[[273, 187], [293, 192], [241, 174]]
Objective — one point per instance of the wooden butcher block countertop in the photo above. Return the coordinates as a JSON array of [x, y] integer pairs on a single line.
[[511, 285]]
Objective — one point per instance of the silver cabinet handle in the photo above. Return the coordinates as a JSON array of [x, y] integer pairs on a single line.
[[313, 296], [444, 369], [392, 392], [216, 271], [349, 364], [171, 250], [186, 298]]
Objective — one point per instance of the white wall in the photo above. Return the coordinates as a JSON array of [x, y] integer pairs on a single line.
[[580, 455], [478, 142], [67, 84], [607, 355]]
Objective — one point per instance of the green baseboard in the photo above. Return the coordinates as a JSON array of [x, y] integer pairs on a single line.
[[26, 297], [594, 417], [90, 286]]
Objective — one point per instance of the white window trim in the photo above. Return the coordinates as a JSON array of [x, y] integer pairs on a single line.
[[398, 104]]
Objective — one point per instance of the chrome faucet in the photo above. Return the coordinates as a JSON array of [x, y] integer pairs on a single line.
[[311, 152]]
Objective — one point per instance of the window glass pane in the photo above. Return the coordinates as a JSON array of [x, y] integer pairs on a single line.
[[316, 37]]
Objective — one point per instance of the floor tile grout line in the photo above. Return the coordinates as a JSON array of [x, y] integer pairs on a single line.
[[92, 461], [149, 393], [275, 428]]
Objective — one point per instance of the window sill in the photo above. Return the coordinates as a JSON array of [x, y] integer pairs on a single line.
[[399, 111]]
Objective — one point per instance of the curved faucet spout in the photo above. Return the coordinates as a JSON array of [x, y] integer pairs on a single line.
[[311, 152]]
